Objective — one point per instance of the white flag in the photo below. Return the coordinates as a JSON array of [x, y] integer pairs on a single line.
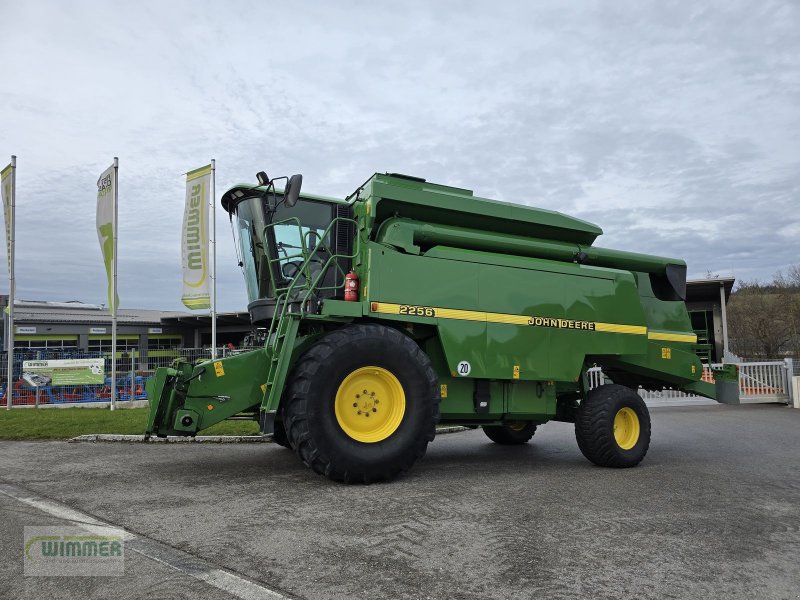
[[194, 239], [105, 227], [7, 192]]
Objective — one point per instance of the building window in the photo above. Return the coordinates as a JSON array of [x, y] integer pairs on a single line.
[[164, 343], [104, 345], [46, 344]]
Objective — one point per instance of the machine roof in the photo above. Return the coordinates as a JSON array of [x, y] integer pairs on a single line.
[[416, 198], [243, 190]]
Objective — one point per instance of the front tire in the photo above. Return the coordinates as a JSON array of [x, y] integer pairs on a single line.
[[612, 426], [510, 434], [362, 404]]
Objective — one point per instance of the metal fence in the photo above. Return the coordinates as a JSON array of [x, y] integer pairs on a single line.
[[765, 381], [132, 373]]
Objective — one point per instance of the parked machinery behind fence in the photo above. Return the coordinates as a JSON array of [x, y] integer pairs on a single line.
[[410, 304]]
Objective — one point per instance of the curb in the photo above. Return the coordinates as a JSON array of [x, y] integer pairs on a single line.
[[200, 439], [204, 439], [451, 429]]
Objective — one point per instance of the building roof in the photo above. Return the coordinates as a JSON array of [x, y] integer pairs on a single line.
[[699, 290], [240, 319], [78, 312]]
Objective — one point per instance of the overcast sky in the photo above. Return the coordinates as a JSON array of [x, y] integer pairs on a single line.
[[675, 126]]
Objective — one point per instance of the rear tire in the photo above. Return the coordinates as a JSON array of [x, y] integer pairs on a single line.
[[612, 426], [510, 434], [362, 404]]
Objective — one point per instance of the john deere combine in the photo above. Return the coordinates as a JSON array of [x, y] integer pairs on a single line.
[[410, 304]]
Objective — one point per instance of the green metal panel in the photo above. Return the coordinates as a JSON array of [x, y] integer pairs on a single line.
[[432, 203], [215, 391], [162, 396], [669, 362], [530, 400], [574, 295], [413, 237], [666, 315]]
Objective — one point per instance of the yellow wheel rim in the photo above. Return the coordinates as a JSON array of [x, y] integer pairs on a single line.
[[370, 404], [517, 425], [626, 428]]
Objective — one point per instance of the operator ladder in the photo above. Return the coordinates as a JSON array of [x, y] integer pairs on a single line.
[[285, 335]]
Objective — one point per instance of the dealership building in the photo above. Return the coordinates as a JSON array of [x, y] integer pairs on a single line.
[[141, 333]]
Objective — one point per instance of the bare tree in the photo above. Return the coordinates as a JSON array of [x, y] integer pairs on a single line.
[[764, 319]]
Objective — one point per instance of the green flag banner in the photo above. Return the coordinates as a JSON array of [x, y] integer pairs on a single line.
[[194, 240], [5, 189], [105, 228]]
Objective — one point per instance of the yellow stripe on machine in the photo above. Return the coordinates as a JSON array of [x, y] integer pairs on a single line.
[[487, 317], [442, 313], [617, 328], [666, 336]]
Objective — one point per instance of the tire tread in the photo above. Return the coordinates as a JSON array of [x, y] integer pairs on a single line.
[[296, 403], [594, 427]]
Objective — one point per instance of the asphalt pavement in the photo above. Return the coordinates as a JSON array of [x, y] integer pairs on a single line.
[[712, 512]]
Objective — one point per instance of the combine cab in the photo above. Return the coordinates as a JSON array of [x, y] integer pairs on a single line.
[[410, 304]]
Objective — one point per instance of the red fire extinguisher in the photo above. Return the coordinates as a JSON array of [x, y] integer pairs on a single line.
[[351, 287]]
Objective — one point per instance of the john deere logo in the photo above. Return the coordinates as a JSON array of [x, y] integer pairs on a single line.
[[561, 323]]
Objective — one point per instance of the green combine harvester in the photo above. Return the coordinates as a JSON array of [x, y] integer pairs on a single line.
[[411, 304]]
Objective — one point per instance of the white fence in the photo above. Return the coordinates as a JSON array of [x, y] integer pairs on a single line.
[[768, 381], [765, 381]]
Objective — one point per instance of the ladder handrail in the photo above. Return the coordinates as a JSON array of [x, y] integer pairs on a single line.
[[284, 295]]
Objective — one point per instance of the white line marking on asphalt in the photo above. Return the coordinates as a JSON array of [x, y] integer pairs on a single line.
[[172, 557]]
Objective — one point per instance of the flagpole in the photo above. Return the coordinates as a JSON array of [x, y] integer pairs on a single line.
[[213, 260], [11, 286], [114, 291]]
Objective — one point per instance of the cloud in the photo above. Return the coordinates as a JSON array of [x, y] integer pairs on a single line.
[[674, 127]]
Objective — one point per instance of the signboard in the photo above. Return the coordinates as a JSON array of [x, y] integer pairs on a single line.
[[97, 329], [7, 192], [26, 329], [77, 371], [154, 330], [106, 223], [194, 239]]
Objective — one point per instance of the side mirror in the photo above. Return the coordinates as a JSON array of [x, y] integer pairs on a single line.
[[292, 191], [262, 178]]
